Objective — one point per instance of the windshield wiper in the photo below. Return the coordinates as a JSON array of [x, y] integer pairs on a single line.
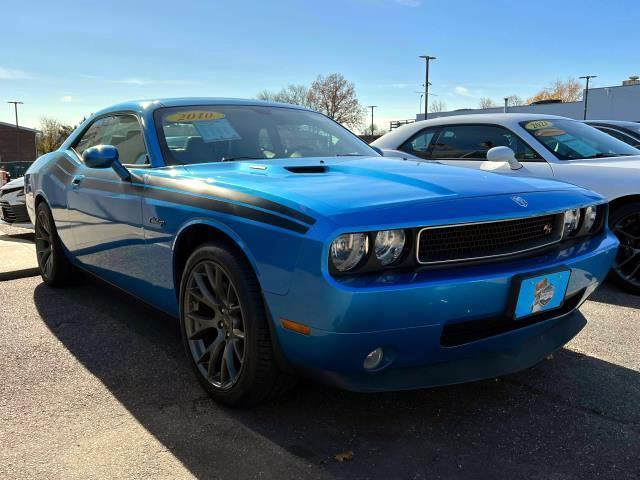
[[350, 155], [233, 159]]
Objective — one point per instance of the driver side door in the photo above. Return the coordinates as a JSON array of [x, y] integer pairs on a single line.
[[105, 211]]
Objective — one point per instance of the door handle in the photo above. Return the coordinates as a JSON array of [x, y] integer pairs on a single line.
[[75, 181]]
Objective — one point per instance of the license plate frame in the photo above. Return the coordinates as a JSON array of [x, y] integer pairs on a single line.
[[530, 293]]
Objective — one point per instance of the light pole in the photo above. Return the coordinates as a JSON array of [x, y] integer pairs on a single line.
[[15, 106], [427, 59], [586, 93], [506, 104], [372, 107]]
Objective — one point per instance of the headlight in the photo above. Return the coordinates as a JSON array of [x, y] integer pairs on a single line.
[[389, 246], [348, 250], [571, 221], [590, 216]]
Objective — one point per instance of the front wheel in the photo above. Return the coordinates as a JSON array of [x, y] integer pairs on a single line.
[[625, 223], [225, 330]]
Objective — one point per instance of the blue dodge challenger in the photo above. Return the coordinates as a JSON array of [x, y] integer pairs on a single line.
[[284, 244]]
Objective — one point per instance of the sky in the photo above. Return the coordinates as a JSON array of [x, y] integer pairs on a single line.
[[67, 59]]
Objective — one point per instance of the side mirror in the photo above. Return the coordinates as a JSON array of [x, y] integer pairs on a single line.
[[378, 150], [504, 155], [105, 156]]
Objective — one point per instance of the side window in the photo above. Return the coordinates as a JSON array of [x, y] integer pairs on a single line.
[[619, 135], [121, 131], [472, 142], [94, 135], [126, 135], [418, 145]]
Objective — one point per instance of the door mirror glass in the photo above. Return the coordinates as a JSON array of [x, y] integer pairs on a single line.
[[504, 155], [100, 156]]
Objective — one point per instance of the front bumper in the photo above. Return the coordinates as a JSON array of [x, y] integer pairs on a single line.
[[13, 212], [426, 321]]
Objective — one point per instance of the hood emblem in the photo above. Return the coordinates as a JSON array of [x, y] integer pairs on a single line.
[[520, 201]]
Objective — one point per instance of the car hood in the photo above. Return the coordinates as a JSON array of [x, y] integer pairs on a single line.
[[340, 185], [13, 184]]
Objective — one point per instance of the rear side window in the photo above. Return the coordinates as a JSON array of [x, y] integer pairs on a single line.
[[472, 142], [121, 131]]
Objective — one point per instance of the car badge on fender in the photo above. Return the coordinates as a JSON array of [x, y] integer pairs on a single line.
[[520, 201]]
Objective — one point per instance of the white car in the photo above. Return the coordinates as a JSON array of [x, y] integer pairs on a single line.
[[538, 146]]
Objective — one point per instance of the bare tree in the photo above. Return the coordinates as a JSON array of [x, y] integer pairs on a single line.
[[438, 106], [293, 94], [366, 130], [486, 102], [569, 90], [334, 96], [52, 134], [515, 101]]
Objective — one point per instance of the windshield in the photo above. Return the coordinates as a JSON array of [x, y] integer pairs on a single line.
[[201, 134], [571, 140]]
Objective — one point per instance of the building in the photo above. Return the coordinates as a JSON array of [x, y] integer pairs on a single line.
[[12, 160], [621, 102]]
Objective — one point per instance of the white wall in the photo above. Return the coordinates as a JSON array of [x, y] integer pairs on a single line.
[[607, 103]]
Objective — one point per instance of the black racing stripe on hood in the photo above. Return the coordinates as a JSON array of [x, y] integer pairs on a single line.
[[206, 203], [229, 194]]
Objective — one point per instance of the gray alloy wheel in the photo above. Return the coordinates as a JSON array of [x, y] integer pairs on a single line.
[[55, 268], [214, 324], [225, 328], [626, 268], [44, 243]]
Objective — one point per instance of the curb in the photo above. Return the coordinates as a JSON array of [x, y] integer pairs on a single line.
[[16, 274]]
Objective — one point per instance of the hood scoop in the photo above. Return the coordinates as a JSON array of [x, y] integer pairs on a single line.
[[307, 169]]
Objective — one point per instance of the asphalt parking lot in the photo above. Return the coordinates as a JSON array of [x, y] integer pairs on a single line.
[[95, 385]]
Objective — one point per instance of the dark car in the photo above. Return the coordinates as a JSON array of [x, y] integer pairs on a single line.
[[628, 132], [12, 202]]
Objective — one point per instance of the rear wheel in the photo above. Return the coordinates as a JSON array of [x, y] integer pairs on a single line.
[[55, 268], [625, 223], [225, 329]]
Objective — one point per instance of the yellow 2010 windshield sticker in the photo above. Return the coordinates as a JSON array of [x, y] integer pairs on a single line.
[[538, 124], [194, 116]]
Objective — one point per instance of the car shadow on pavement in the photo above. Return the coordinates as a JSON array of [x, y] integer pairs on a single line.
[[614, 295], [574, 416]]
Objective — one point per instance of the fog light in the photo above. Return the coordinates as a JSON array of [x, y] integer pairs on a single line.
[[373, 359]]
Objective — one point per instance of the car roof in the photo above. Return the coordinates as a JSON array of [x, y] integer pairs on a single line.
[[141, 106], [397, 136]]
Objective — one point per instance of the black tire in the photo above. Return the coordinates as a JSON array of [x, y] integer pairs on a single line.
[[625, 224], [55, 268], [208, 323]]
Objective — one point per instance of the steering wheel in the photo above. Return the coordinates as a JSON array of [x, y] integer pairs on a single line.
[[299, 151]]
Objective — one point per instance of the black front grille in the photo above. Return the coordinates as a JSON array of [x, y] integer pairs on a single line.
[[13, 213], [474, 241]]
